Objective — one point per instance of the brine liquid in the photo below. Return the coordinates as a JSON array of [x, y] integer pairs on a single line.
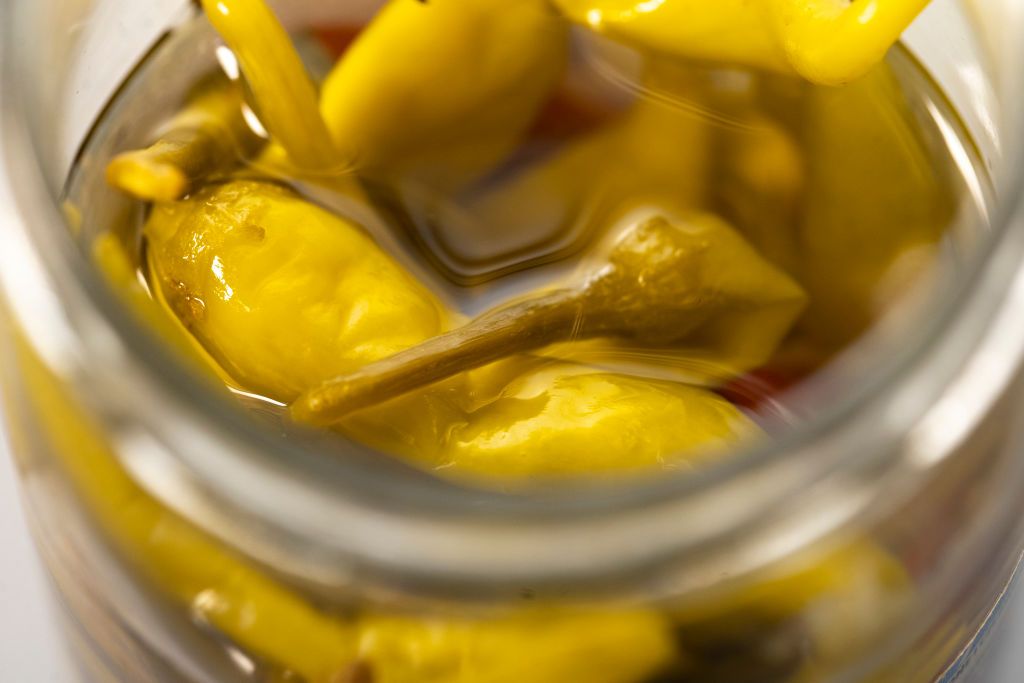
[[860, 194], [866, 195]]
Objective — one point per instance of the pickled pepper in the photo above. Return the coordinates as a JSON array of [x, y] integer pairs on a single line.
[[662, 284]]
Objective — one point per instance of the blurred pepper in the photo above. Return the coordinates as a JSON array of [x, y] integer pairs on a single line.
[[540, 647], [836, 599], [552, 419], [444, 89], [825, 41], [281, 292], [208, 136], [269, 620], [875, 207], [196, 571]]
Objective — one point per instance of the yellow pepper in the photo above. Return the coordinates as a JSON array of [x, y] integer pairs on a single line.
[[654, 156], [444, 89], [282, 293], [208, 136], [875, 207], [825, 41], [558, 419], [269, 620], [540, 647], [197, 572], [831, 603], [759, 179]]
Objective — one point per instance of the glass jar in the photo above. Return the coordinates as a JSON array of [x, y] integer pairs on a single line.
[[189, 543]]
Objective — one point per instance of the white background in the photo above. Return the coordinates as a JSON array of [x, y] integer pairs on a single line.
[[31, 650]]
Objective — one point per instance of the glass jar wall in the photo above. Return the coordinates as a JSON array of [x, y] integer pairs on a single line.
[[190, 542]]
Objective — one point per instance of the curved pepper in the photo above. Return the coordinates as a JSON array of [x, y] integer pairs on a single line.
[[197, 572], [268, 619], [560, 419], [444, 89], [825, 41], [654, 155], [875, 209], [284, 93], [208, 136], [282, 293]]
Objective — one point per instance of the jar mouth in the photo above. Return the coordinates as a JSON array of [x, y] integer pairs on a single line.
[[367, 513]]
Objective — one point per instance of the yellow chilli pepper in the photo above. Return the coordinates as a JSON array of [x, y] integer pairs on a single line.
[[875, 206], [284, 93], [655, 155], [282, 293], [557, 419], [196, 571], [835, 601], [444, 89], [208, 136], [539, 646], [274, 623], [825, 41]]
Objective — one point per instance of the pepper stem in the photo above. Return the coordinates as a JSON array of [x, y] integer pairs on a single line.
[[284, 94]]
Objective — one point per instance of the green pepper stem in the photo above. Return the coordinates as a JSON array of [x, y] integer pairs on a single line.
[[644, 290], [526, 326], [659, 283]]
